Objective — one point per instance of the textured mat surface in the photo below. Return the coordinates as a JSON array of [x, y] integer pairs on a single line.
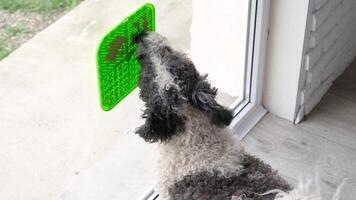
[[118, 68]]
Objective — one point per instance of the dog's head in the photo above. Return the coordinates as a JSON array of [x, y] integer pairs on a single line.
[[168, 78]]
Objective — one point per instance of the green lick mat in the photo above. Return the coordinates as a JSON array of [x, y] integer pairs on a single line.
[[118, 67]]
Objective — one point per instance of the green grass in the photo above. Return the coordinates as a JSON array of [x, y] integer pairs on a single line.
[[9, 34], [3, 52], [13, 35], [15, 30], [37, 5]]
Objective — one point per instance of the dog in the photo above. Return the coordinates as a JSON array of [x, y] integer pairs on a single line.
[[199, 158]]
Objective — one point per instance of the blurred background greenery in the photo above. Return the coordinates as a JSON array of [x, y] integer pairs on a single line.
[[37, 5], [20, 20]]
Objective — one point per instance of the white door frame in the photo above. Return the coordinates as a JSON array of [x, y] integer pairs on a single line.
[[252, 110]]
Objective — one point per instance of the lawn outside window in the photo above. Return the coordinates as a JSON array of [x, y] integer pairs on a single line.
[[20, 20]]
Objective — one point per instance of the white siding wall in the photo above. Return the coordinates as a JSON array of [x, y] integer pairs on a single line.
[[329, 48]]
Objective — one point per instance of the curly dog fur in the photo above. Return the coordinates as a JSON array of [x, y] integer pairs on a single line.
[[199, 157]]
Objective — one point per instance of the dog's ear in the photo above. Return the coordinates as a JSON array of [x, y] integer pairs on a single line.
[[162, 117], [203, 97]]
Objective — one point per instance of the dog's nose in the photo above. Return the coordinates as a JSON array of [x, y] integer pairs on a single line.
[[138, 38]]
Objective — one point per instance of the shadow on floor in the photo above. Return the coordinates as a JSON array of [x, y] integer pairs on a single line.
[[324, 144]]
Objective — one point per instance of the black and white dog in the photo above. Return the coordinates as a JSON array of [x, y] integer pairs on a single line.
[[199, 158]]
